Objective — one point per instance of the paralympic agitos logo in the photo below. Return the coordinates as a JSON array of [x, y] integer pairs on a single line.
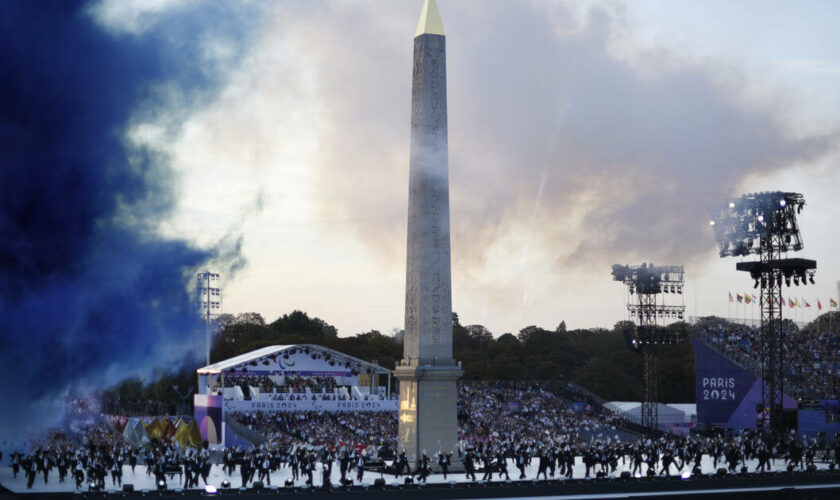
[[284, 364]]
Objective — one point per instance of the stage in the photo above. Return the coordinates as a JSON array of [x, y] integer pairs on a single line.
[[456, 485], [816, 485]]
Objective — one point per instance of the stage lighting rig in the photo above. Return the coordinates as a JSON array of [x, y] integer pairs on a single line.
[[765, 225], [755, 221], [649, 283]]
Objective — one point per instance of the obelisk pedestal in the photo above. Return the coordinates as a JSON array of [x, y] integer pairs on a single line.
[[428, 373]]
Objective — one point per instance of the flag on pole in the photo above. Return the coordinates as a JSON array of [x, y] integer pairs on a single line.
[[806, 303], [819, 305], [791, 304], [755, 299], [730, 297], [798, 304], [833, 302], [747, 298], [740, 298]]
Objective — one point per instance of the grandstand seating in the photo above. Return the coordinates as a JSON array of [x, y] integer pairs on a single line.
[[812, 359]]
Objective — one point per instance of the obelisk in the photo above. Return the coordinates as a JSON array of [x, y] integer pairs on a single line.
[[427, 373]]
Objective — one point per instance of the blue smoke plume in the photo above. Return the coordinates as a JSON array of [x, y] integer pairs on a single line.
[[89, 293]]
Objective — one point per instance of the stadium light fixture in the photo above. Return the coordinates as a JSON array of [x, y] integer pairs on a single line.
[[757, 220], [765, 225], [210, 489], [161, 484]]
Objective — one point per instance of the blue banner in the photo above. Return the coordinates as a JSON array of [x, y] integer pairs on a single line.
[[727, 395], [721, 386]]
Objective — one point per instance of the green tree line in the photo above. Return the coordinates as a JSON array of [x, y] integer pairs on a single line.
[[598, 359]]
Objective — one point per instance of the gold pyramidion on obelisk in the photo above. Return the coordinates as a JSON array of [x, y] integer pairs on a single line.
[[430, 22], [428, 373]]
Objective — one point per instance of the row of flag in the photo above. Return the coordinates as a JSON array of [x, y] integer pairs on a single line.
[[749, 298]]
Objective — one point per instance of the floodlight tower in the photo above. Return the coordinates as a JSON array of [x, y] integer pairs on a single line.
[[209, 292], [649, 283], [765, 225]]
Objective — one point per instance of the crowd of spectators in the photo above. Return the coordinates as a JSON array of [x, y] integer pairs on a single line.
[[289, 383], [317, 428], [264, 384], [499, 424], [314, 384], [811, 358], [288, 396], [521, 411], [498, 412]]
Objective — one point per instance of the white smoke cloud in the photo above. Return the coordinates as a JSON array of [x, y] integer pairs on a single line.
[[571, 148]]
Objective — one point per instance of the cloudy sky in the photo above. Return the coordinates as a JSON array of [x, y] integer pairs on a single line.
[[581, 134]]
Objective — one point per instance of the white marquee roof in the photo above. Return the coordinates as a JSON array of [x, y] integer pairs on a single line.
[[265, 352], [634, 407]]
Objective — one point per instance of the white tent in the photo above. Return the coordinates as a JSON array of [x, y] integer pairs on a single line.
[[632, 411], [689, 410]]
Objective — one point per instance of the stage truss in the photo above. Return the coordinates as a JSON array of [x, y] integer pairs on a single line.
[[765, 225], [650, 285]]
